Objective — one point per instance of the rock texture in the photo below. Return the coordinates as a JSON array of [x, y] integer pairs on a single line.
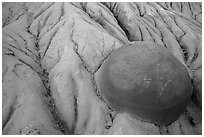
[[51, 52]]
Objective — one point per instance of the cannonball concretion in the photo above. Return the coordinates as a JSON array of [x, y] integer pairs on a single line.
[[145, 81]]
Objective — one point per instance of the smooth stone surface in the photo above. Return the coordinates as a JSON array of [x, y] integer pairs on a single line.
[[146, 82]]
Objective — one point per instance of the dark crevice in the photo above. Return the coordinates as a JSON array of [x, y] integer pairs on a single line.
[[11, 46], [141, 33], [75, 90], [165, 23], [8, 18], [40, 27], [49, 43], [190, 9], [105, 55], [23, 51], [62, 12], [46, 20], [194, 97], [44, 76], [174, 19], [162, 6], [44, 10], [111, 113], [151, 35], [89, 71], [120, 24], [14, 69], [149, 26], [58, 121], [191, 121], [106, 24], [75, 48], [180, 127], [32, 68], [83, 5], [195, 56], [85, 65], [75, 114], [26, 47], [171, 5], [10, 53], [163, 130], [181, 7], [19, 16], [183, 48], [162, 39], [52, 27], [167, 5]]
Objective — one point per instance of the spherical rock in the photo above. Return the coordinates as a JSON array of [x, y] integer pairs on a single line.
[[145, 81]]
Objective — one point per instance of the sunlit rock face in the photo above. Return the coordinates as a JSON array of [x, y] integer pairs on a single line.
[[53, 53]]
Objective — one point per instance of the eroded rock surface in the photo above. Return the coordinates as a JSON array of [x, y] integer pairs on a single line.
[[52, 51]]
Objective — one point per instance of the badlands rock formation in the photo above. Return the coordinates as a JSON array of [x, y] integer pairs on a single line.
[[51, 52]]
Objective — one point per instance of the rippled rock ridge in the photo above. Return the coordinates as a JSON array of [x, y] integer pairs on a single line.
[[51, 53]]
